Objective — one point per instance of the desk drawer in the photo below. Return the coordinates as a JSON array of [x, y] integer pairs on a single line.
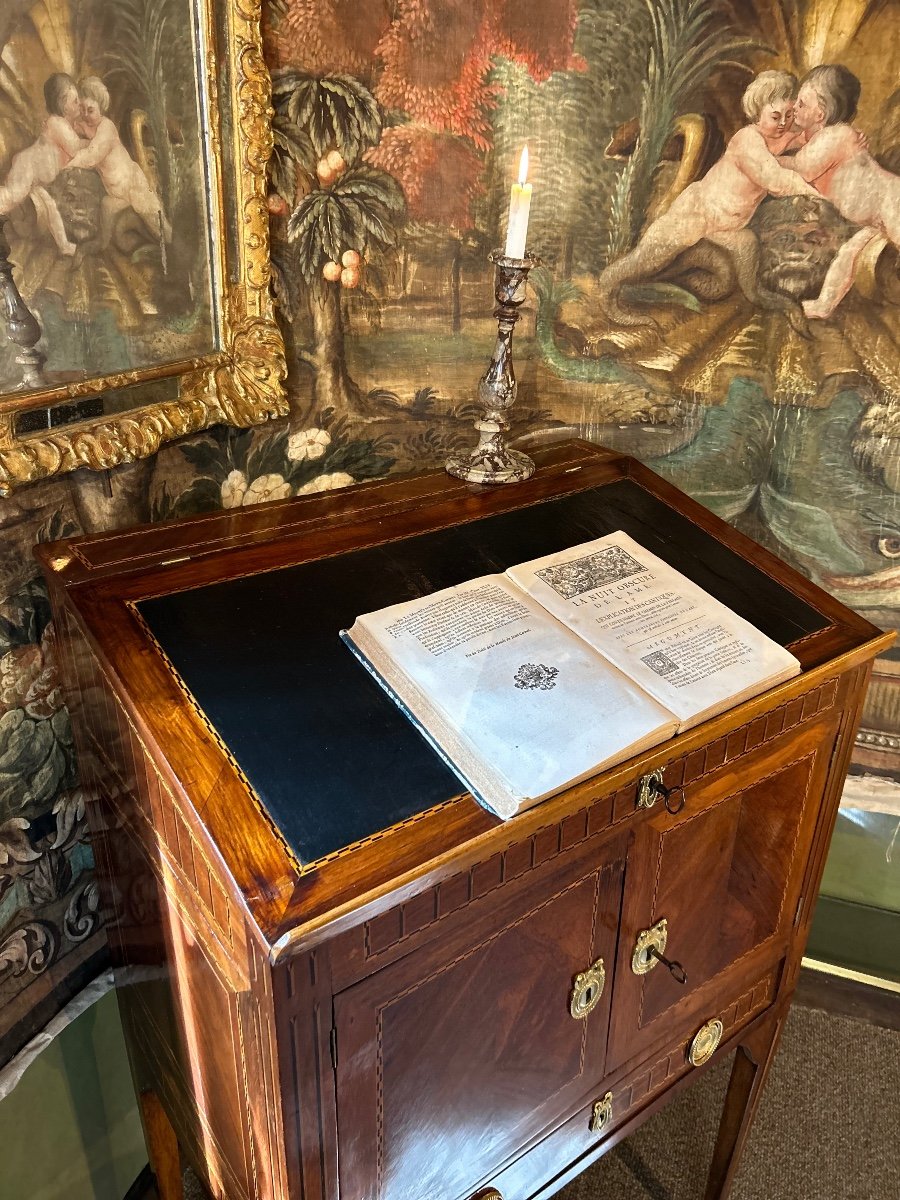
[[529, 1175]]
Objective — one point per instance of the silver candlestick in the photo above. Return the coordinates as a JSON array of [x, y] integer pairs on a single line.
[[492, 461], [22, 327]]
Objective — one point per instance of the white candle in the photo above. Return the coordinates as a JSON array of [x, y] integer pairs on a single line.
[[519, 204]]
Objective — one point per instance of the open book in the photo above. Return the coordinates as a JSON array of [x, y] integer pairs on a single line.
[[533, 680]]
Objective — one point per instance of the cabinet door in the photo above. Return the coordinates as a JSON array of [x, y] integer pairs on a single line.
[[724, 874], [453, 1057]]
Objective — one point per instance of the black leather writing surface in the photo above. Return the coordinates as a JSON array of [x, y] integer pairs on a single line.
[[329, 755]]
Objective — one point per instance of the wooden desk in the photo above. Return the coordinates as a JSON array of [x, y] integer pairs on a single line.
[[338, 976]]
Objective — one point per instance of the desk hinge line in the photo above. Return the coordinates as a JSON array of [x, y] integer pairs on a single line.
[[796, 914], [333, 1042]]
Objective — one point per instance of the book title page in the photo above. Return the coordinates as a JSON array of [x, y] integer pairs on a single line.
[[682, 645]]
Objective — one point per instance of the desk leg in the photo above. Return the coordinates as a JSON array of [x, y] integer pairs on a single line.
[[162, 1147], [752, 1061]]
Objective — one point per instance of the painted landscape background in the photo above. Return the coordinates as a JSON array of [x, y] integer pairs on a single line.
[[398, 127]]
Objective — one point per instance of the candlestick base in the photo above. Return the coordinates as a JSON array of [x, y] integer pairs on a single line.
[[492, 461]]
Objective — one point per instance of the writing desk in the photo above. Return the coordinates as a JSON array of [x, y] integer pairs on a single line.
[[341, 978]]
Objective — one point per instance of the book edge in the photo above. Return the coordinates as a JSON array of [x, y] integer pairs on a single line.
[[477, 793]]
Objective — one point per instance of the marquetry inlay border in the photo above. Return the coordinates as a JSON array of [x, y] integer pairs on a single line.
[[401, 922], [656, 1076], [136, 791]]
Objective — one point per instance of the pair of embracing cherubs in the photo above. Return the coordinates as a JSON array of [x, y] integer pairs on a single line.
[[77, 133], [799, 142]]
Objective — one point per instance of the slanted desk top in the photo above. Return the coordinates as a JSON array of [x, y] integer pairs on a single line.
[[243, 610], [330, 757]]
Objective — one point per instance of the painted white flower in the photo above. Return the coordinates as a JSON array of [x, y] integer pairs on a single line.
[[266, 487], [308, 444], [233, 489], [325, 483]]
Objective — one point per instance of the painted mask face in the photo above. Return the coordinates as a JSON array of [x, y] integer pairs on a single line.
[[798, 238], [78, 195]]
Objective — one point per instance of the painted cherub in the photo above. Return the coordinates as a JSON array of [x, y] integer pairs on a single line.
[[39, 164], [838, 164], [719, 206], [125, 183]]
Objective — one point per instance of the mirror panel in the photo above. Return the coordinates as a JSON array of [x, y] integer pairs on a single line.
[[134, 253]]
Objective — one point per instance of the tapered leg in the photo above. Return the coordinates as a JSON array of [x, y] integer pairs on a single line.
[[752, 1060], [162, 1147]]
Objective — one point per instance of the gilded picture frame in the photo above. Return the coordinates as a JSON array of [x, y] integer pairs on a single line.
[[237, 378]]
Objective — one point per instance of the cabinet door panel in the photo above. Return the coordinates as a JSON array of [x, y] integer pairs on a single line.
[[719, 873], [446, 1068]]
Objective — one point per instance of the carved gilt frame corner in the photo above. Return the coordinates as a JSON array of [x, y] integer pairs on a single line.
[[241, 384]]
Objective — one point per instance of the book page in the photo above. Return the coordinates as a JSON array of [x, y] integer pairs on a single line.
[[681, 644], [511, 696]]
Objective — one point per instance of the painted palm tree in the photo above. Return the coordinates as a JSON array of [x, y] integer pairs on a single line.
[[687, 45], [343, 212], [144, 34]]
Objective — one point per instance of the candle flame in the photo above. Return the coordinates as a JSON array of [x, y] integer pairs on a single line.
[[523, 165]]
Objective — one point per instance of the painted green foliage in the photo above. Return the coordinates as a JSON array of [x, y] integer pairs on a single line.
[[363, 156], [47, 893]]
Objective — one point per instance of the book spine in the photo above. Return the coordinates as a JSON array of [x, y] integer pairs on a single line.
[[347, 638]]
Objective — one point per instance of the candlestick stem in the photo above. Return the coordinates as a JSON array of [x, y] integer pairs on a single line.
[[492, 461], [22, 326]]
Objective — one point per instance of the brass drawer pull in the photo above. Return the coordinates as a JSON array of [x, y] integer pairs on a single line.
[[648, 951], [487, 1194], [601, 1113], [652, 788], [705, 1042], [587, 990]]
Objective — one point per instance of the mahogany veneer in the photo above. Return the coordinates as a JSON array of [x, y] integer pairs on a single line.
[[338, 976]]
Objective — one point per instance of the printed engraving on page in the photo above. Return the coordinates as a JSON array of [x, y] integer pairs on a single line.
[[580, 575], [536, 675], [660, 663]]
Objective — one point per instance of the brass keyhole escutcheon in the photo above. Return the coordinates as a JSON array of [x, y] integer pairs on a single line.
[[648, 788], [705, 1042], [601, 1113], [587, 990], [649, 945], [652, 788], [648, 951]]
